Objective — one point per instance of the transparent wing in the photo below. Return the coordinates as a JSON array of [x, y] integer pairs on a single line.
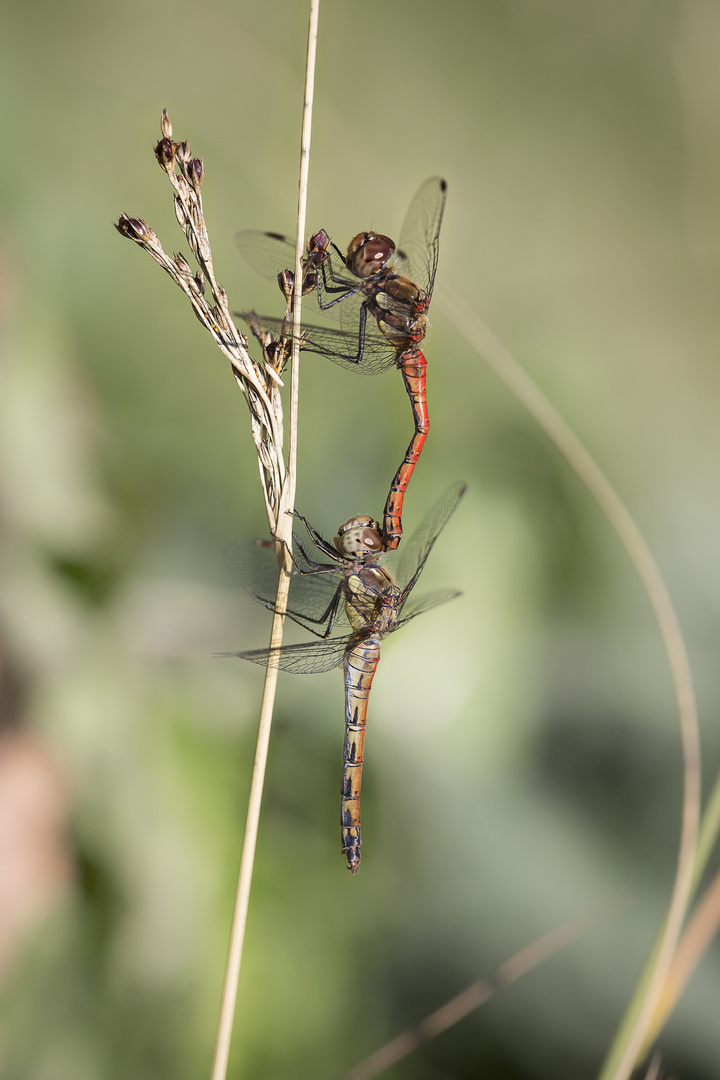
[[425, 602], [267, 252], [414, 555], [339, 345], [309, 658], [313, 597], [420, 237]]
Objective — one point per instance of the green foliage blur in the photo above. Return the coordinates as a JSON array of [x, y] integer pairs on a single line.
[[522, 753]]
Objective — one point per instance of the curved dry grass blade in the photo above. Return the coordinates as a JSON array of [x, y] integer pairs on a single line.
[[477, 994], [284, 531], [654, 1067], [702, 927], [633, 1031]]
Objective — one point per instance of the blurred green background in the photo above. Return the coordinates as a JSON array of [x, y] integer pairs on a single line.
[[523, 755]]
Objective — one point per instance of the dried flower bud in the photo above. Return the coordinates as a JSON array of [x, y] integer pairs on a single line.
[[165, 153], [274, 354], [195, 172], [135, 229], [165, 125], [286, 281], [179, 207], [183, 266], [183, 151], [200, 283]]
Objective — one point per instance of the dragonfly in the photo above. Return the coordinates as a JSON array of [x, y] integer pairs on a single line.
[[384, 293], [356, 596]]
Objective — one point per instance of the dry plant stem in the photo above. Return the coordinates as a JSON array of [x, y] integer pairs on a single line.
[[479, 993], [242, 898], [633, 1032], [284, 532]]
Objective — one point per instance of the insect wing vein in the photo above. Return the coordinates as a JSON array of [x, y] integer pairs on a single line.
[[414, 556], [307, 658]]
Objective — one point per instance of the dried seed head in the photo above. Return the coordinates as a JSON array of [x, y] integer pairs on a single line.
[[135, 229], [183, 151], [165, 153], [184, 268], [165, 125], [286, 281], [272, 351], [195, 172]]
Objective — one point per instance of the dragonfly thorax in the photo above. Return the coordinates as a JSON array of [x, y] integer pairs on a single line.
[[367, 253], [372, 600], [359, 536]]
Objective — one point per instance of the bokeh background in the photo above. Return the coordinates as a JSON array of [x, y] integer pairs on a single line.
[[523, 755]]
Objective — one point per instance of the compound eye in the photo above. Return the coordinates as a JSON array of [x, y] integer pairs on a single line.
[[367, 253], [359, 537], [370, 539]]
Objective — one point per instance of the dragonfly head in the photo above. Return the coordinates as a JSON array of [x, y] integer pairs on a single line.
[[359, 536], [367, 253]]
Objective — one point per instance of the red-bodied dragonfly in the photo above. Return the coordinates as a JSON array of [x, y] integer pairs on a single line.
[[354, 595], [395, 292]]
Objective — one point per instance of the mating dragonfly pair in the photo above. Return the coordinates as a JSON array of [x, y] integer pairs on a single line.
[[383, 320]]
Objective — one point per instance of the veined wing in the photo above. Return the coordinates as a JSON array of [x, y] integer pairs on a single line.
[[270, 253], [338, 345], [414, 555], [417, 605], [267, 252], [312, 598], [420, 236], [308, 658]]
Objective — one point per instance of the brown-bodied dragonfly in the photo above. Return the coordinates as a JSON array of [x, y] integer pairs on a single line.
[[368, 281], [358, 598]]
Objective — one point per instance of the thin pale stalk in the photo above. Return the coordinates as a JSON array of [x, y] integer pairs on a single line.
[[654, 1067], [633, 1031], [287, 502], [247, 859]]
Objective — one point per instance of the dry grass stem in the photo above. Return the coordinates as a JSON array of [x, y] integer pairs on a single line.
[[284, 532], [633, 1032], [653, 1072], [260, 385]]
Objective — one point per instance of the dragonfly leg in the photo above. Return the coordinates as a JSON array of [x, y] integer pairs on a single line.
[[309, 566], [306, 568], [347, 357], [331, 283], [320, 543]]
